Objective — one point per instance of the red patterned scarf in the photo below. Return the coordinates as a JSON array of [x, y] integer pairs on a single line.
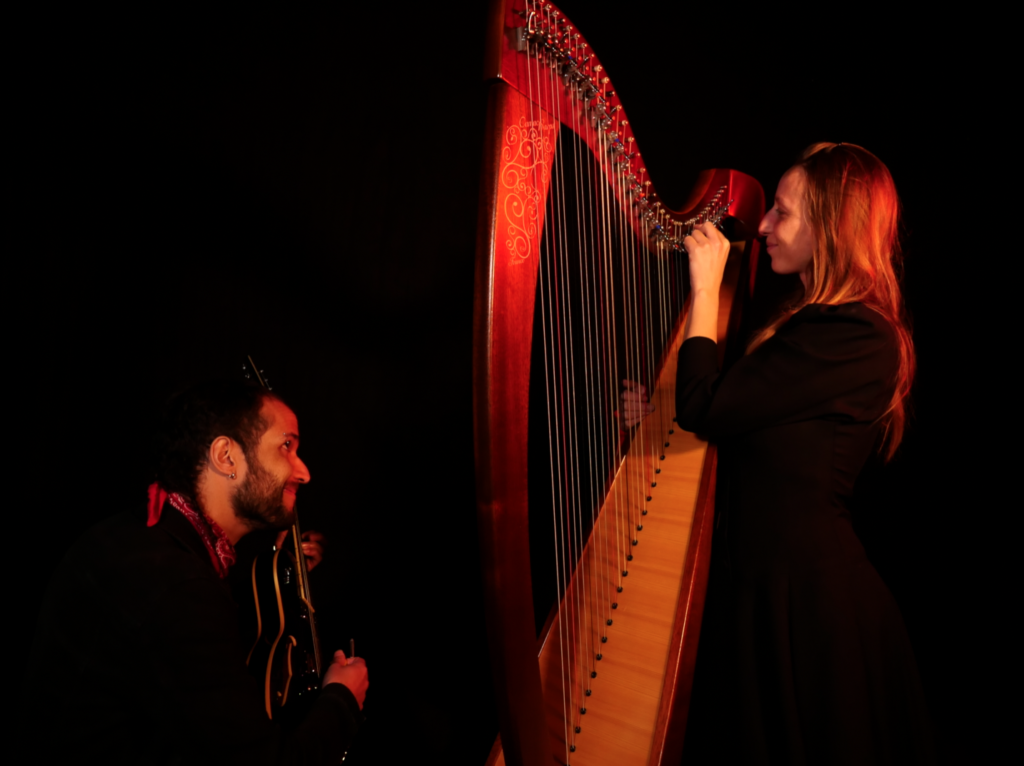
[[222, 552]]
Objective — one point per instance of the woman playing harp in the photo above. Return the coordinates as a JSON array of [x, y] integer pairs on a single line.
[[802, 642]]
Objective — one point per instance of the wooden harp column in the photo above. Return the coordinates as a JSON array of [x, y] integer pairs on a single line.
[[545, 94]]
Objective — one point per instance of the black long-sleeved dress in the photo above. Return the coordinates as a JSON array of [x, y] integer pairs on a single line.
[[804, 657]]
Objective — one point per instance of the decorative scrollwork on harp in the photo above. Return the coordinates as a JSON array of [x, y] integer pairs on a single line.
[[525, 177]]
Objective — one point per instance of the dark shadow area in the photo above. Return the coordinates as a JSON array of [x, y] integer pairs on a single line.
[[207, 187], [192, 188]]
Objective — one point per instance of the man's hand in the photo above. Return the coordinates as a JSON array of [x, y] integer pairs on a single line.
[[312, 546], [350, 672], [635, 406]]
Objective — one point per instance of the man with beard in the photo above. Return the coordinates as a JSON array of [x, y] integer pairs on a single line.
[[137, 650]]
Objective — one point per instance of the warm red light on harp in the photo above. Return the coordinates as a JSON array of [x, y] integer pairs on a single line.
[[626, 722]]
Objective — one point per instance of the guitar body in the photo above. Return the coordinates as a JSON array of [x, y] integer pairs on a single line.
[[284, 656]]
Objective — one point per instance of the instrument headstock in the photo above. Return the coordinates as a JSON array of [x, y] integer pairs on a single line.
[[252, 372]]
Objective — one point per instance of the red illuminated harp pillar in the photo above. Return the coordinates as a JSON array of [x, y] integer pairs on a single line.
[[555, 130]]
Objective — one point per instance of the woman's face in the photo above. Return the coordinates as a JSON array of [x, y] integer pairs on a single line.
[[787, 232]]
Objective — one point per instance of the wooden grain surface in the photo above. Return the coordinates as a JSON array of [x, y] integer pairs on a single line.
[[620, 724], [618, 727]]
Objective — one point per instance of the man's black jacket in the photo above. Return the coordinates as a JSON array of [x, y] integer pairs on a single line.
[[137, 659]]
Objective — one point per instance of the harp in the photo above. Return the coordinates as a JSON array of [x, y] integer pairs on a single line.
[[581, 282]]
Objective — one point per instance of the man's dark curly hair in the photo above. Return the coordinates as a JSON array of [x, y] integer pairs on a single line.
[[191, 421]]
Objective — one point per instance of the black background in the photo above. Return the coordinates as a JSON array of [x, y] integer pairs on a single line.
[[195, 187]]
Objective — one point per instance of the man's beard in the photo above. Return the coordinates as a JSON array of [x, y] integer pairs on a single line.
[[258, 499]]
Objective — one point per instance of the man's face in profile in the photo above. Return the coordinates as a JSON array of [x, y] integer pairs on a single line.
[[266, 497]]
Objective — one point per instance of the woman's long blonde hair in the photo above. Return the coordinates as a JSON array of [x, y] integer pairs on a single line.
[[852, 205]]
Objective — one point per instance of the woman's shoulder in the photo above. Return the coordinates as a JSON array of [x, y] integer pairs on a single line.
[[841, 330], [856, 319], [828, 313]]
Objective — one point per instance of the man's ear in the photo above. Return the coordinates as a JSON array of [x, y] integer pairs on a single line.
[[224, 456]]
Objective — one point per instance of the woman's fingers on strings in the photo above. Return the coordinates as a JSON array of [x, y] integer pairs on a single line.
[[632, 385], [632, 418], [704, 234], [714, 235], [636, 404]]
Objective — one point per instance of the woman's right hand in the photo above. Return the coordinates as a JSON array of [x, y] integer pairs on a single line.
[[708, 250]]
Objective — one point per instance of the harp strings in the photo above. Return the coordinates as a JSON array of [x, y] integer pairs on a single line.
[[535, 71], [597, 390], [587, 571], [606, 306], [548, 299], [565, 310]]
